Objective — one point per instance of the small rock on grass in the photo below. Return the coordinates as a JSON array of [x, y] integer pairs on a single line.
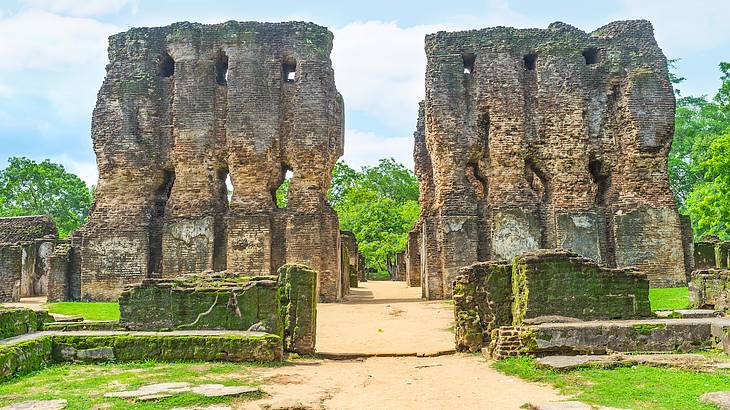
[[38, 405], [216, 390], [721, 399]]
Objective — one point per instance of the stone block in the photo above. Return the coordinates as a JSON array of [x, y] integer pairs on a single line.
[[297, 289], [710, 289]]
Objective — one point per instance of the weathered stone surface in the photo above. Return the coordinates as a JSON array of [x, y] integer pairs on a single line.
[[36, 237], [11, 272], [512, 158], [70, 354], [721, 331], [298, 307], [221, 300], [38, 405], [186, 106], [694, 313], [721, 399], [693, 361], [159, 390], [352, 268], [601, 337], [711, 253], [710, 289], [565, 284], [537, 286]]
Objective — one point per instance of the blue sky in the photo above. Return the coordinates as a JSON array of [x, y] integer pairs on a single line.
[[53, 52]]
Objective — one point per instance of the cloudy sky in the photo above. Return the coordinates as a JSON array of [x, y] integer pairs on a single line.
[[53, 52]]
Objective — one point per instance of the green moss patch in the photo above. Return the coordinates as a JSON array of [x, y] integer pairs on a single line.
[[646, 329]]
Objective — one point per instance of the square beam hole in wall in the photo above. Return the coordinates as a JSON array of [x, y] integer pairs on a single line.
[[290, 71], [469, 59], [530, 61], [590, 54]]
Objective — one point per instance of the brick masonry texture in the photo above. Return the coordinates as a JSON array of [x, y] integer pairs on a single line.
[[547, 138], [26, 228], [36, 237], [538, 285], [186, 106]]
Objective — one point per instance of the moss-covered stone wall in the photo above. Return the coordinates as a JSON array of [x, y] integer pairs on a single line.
[[18, 321], [482, 303], [298, 307], [30, 355], [539, 284], [223, 301], [566, 284]]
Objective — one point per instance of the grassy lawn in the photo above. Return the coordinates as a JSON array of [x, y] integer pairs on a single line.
[[83, 386], [87, 310], [668, 298], [638, 387]]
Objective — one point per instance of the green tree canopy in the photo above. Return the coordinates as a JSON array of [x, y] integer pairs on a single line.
[[379, 205], [31, 188], [701, 128]]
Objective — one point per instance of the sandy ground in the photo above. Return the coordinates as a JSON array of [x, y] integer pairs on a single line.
[[385, 318], [446, 382], [388, 317]]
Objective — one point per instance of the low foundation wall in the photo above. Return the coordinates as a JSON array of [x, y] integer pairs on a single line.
[[710, 289], [18, 321], [47, 348], [541, 284], [204, 301], [605, 337]]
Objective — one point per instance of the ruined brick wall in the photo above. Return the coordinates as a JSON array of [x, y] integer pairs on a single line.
[[711, 253], [186, 106], [19, 229], [11, 268], [354, 266], [710, 289], [36, 237], [539, 286], [59, 273], [548, 138]]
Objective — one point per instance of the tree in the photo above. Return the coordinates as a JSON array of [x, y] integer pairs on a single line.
[[699, 122], [379, 205], [709, 202], [31, 188]]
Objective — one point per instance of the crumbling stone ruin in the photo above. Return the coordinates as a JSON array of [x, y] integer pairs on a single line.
[[542, 286], [26, 247], [285, 305], [710, 289], [185, 107], [352, 263], [711, 253], [546, 138]]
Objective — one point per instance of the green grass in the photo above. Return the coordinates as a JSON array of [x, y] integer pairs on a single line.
[[378, 275], [87, 310], [668, 298], [637, 387], [83, 386]]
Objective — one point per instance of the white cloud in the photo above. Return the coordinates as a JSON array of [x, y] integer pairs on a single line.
[[682, 27], [80, 7], [87, 171], [379, 68], [35, 39], [366, 148]]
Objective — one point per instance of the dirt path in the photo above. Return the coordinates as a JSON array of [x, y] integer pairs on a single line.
[[457, 381], [385, 318], [388, 317]]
